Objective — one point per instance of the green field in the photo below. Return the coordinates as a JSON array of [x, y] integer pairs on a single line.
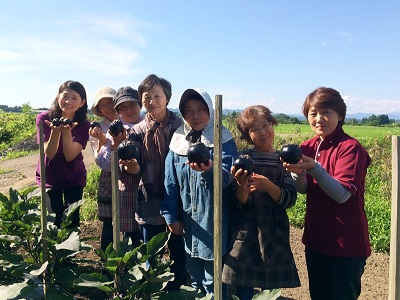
[[357, 132]]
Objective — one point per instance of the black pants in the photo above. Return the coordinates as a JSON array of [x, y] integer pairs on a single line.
[[61, 198], [176, 251], [332, 278]]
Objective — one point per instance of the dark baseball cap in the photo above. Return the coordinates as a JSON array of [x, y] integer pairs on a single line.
[[126, 94]]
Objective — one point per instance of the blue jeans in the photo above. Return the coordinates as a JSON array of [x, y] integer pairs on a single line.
[[202, 275], [176, 253], [332, 278]]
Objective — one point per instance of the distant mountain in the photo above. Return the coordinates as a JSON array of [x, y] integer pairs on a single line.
[[357, 116], [360, 116]]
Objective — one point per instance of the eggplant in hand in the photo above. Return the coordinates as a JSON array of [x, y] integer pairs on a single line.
[[127, 150], [290, 153], [198, 153], [244, 162], [116, 127]]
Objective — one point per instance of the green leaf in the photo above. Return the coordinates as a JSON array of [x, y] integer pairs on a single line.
[[268, 295], [157, 243], [72, 243], [18, 289], [39, 271]]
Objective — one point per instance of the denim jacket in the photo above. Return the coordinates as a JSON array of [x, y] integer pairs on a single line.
[[189, 199]]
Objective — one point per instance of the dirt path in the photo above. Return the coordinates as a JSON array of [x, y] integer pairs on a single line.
[[20, 173]]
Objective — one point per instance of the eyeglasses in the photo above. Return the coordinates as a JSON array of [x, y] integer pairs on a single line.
[[127, 107], [258, 130]]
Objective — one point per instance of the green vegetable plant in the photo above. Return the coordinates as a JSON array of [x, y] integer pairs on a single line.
[[22, 264], [138, 273]]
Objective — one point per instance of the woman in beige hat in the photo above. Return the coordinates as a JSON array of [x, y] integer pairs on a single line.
[[103, 106]]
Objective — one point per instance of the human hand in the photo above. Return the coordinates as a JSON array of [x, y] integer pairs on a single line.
[[306, 163], [257, 182], [117, 139], [96, 132], [242, 176], [202, 167], [130, 165], [176, 228]]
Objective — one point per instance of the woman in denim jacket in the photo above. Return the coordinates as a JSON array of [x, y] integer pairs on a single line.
[[188, 205]]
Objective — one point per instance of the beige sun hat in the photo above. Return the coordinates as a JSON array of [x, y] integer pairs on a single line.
[[103, 92]]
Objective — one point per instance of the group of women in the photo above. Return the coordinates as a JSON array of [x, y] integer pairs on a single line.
[[162, 190]]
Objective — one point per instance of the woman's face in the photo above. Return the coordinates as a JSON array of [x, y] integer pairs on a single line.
[[69, 102], [129, 111], [323, 121], [106, 108], [155, 101], [262, 134], [196, 114]]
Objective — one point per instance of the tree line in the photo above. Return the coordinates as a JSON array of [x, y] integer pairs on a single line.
[[373, 120]]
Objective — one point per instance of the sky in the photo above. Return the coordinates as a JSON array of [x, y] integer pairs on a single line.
[[251, 52]]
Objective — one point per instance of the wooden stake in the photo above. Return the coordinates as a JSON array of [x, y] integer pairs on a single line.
[[394, 262], [217, 163], [115, 208], [43, 210], [115, 199]]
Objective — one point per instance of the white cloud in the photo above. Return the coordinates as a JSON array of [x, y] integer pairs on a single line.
[[370, 105]]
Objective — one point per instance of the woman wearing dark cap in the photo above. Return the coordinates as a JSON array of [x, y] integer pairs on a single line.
[[127, 104]]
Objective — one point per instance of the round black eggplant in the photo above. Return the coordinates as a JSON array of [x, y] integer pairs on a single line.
[[94, 124], [56, 122], [244, 162], [198, 153], [65, 121], [127, 150], [116, 127], [290, 153]]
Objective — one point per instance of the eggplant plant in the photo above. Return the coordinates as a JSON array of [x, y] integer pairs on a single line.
[[22, 265], [125, 273]]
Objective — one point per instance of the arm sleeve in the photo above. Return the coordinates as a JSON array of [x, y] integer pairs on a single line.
[[289, 195], [300, 182], [330, 185], [104, 156]]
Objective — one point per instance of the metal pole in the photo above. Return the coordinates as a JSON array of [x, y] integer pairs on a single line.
[[115, 207], [217, 163], [394, 262], [43, 210]]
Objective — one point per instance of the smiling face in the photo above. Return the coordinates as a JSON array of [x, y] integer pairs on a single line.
[[69, 102], [262, 135], [129, 111], [155, 102], [323, 121], [195, 113], [106, 108]]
